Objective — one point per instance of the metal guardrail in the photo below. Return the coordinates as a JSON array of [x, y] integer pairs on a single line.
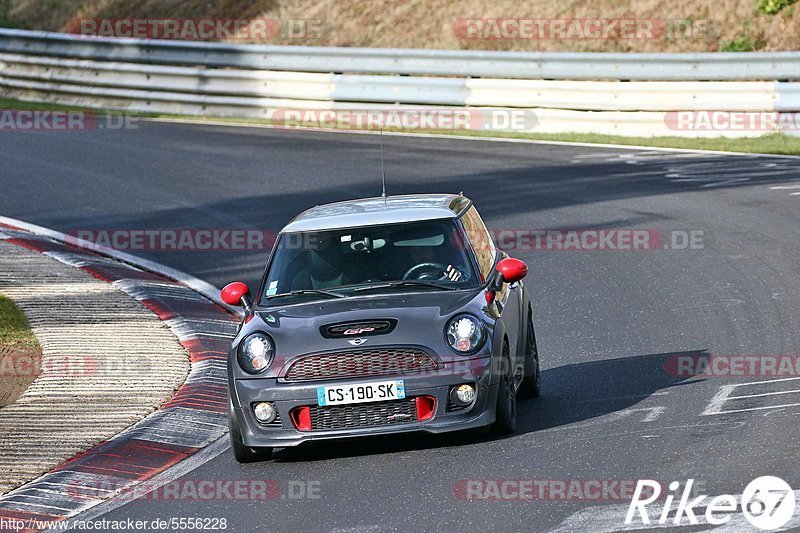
[[483, 64], [301, 89], [563, 91]]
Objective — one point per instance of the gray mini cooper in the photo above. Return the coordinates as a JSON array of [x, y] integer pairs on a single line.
[[378, 316]]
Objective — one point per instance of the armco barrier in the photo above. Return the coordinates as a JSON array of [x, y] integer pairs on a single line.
[[521, 65], [568, 92]]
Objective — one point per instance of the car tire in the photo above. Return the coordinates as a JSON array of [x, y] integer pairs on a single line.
[[506, 406], [241, 452], [531, 386]]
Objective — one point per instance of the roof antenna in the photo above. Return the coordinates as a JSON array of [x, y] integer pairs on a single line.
[[383, 171]]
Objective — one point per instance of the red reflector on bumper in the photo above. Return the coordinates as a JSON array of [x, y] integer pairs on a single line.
[[301, 418], [426, 407]]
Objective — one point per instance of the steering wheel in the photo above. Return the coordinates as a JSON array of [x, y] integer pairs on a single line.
[[426, 271]]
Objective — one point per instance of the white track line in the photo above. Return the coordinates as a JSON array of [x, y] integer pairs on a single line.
[[715, 405], [782, 406], [778, 380], [724, 394], [207, 122], [764, 394]]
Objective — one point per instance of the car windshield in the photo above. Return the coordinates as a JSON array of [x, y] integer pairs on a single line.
[[429, 255]]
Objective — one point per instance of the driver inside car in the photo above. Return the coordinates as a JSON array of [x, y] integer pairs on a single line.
[[428, 256], [324, 270]]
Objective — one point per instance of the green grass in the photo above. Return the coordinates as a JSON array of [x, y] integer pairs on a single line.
[[14, 328], [775, 143], [770, 7], [743, 43]]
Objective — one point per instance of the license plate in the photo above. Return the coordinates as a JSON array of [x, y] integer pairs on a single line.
[[379, 391]]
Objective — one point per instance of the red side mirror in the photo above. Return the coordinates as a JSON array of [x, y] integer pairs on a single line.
[[233, 293], [512, 269]]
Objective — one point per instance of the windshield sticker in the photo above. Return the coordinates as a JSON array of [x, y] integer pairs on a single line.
[[273, 288]]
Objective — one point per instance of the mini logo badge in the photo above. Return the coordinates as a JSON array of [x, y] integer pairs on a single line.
[[357, 342]]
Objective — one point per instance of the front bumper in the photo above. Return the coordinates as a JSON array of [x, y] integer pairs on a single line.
[[287, 396]]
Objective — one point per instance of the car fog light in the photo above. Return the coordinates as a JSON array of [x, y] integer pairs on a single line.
[[463, 394], [265, 412]]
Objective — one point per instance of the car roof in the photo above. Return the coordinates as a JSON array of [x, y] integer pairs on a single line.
[[379, 210]]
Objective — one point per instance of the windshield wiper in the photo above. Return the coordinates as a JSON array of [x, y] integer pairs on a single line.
[[406, 283], [303, 292]]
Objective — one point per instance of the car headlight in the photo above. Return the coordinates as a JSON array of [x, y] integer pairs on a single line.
[[464, 333], [255, 353]]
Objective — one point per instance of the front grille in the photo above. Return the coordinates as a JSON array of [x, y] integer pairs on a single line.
[[360, 363], [363, 415]]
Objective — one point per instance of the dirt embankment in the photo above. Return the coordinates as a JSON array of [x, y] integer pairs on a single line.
[[547, 25]]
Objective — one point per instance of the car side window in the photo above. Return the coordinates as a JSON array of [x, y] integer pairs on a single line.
[[480, 240]]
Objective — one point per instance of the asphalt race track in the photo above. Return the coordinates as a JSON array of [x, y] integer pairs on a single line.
[[607, 321]]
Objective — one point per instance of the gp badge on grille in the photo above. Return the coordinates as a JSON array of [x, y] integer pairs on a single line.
[[362, 329]]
